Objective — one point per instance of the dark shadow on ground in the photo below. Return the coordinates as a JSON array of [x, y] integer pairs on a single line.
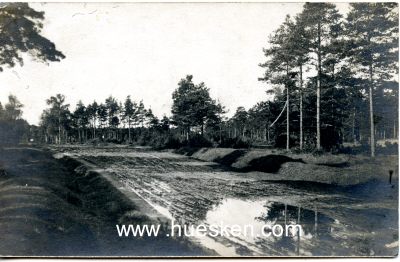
[[269, 164], [340, 165], [310, 186], [189, 151], [230, 158]]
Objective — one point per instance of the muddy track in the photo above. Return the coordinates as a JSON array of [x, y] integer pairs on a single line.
[[192, 192]]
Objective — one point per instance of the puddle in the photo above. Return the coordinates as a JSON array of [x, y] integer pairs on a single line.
[[256, 217]]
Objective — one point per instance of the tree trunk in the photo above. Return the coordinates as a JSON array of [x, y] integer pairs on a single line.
[[287, 108], [220, 133], [59, 134], [319, 88], [94, 128], [371, 113], [354, 126], [301, 107], [129, 130], [265, 135]]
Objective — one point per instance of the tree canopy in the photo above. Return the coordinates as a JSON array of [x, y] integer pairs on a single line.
[[20, 27], [193, 106]]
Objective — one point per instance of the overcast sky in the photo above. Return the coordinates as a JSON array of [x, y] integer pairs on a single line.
[[143, 50]]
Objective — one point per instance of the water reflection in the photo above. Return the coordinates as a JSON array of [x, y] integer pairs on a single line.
[[316, 228]]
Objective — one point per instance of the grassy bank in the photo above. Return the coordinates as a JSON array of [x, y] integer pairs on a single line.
[[60, 207], [337, 169]]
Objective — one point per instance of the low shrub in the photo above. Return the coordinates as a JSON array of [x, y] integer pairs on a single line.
[[388, 149], [112, 141], [236, 143], [172, 142], [93, 141], [198, 141]]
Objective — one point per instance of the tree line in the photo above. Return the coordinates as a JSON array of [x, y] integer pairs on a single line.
[[109, 121], [193, 112]]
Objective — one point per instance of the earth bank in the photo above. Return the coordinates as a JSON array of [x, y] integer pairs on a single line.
[[60, 207], [279, 165]]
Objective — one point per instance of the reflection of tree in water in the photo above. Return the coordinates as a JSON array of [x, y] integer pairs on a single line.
[[315, 225]]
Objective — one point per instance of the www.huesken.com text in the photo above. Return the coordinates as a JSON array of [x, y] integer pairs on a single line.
[[214, 230]]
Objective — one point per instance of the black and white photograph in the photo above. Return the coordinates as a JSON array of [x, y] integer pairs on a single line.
[[199, 129]]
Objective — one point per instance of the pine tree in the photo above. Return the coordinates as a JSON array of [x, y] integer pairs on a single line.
[[112, 111], [57, 113], [129, 113], [92, 110], [193, 106], [103, 117], [319, 19], [81, 118], [20, 33], [13, 109], [280, 64], [373, 32], [300, 45]]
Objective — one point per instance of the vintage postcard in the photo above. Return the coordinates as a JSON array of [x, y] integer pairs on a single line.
[[199, 129]]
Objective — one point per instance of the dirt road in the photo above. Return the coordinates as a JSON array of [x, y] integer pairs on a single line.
[[358, 220]]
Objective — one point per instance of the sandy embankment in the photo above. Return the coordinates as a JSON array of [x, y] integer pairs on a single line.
[[278, 165]]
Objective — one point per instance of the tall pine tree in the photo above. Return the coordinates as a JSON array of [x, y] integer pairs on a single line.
[[373, 32]]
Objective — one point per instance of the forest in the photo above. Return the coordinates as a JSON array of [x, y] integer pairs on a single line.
[[334, 81]]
